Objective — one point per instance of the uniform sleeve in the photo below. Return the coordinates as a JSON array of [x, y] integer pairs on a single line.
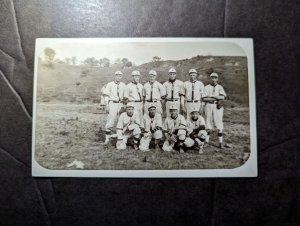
[[107, 90], [162, 90], [137, 119], [183, 89], [203, 90], [159, 121], [144, 91], [126, 91], [165, 125], [222, 91], [202, 121], [120, 124], [182, 122]]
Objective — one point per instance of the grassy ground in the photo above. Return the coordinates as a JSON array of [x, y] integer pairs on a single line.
[[66, 132]]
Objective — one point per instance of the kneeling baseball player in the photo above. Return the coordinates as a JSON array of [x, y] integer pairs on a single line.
[[128, 127], [152, 128], [196, 128], [175, 129]]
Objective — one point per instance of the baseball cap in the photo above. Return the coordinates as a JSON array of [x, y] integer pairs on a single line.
[[152, 72], [130, 105], [172, 70], [195, 109], [135, 73], [173, 107], [192, 71], [214, 75], [118, 73]]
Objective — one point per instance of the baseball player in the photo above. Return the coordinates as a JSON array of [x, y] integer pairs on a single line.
[[173, 92], [196, 128], [175, 128], [153, 93], [152, 126], [114, 92], [104, 99], [193, 90], [128, 127], [134, 93], [213, 110]]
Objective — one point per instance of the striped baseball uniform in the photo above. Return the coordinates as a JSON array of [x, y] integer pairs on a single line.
[[153, 93], [214, 116], [193, 92], [115, 93], [173, 91], [134, 93]]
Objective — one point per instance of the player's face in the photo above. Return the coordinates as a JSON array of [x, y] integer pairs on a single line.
[[136, 78], [152, 78], [118, 78], [214, 80], [193, 76], [195, 115], [173, 113], [152, 111], [172, 75], [130, 111]]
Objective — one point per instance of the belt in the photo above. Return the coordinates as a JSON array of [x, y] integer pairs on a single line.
[[173, 100], [135, 101], [114, 101], [193, 101], [152, 101], [212, 102]]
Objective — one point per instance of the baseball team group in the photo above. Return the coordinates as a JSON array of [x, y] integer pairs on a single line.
[[193, 111]]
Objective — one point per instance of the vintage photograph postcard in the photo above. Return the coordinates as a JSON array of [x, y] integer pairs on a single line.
[[144, 107]]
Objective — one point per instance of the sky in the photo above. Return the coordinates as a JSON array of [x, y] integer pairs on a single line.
[[136, 51]]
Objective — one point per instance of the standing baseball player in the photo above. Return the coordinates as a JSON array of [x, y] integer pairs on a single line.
[[193, 91], [128, 126], [174, 92], [196, 128], [213, 107], [114, 91], [175, 129], [152, 126], [134, 93], [153, 93]]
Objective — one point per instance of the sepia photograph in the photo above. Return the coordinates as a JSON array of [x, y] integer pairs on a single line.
[[144, 107]]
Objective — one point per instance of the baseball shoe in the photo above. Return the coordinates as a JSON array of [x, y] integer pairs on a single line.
[[206, 145], [135, 147], [201, 150], [181, 151]]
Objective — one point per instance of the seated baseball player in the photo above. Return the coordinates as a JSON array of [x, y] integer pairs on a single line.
[[175, 129], [128, 127], [196, 128], [152, 129]]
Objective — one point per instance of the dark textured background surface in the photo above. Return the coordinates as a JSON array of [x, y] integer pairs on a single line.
[[271, 199]]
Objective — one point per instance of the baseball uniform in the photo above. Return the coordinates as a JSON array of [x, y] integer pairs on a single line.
[[193, 92], [128, 126], [214, 116], [153, 93], [115, 93], [134, 94], [173, 93]]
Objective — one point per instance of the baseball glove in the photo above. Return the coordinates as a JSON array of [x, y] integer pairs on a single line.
[[220, 104]]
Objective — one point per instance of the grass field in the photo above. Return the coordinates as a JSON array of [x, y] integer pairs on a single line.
[[68, 132]]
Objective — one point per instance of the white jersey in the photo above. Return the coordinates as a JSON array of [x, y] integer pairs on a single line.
[[125, 120], [151, 123], [193, 91], [173, 89], [154, 92], [134, 92], [216, 90], [191, 124], [115, 91], [173, 124]]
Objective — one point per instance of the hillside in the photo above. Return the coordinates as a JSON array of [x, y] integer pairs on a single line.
[[82, 83]]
